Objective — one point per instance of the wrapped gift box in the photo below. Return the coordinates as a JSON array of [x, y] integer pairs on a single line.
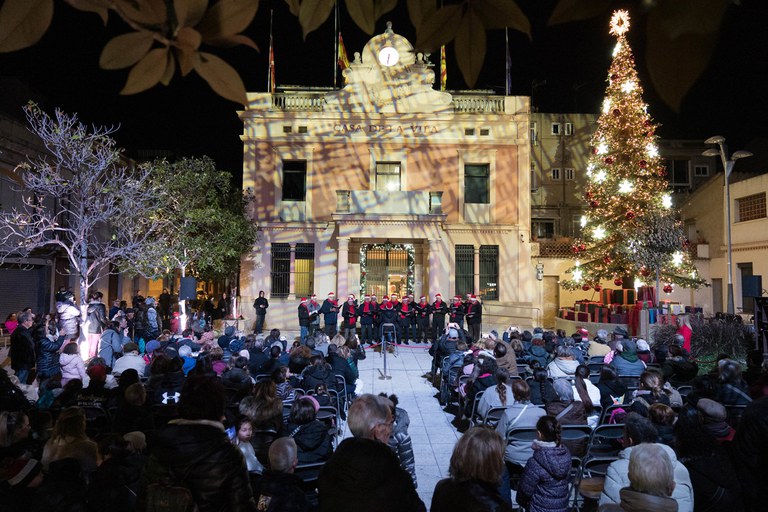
[[625, 296], [582, 316], [644, 304], [567, 313], [693, 310], [618, 318], [647, 293], [601, 315], [606, 295]]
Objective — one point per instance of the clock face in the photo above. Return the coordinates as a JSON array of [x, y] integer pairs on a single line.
[[388, 56]]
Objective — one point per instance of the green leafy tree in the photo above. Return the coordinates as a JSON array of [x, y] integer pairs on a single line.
[[631, 228], [205, 231], [81, 200]]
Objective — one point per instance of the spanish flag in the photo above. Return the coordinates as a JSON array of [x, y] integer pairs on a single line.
[[342, 57], [443, 71]]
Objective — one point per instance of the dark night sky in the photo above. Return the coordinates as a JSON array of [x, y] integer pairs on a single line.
[[188, 118]]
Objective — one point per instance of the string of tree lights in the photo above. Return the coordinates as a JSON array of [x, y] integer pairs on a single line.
[[631, 230]]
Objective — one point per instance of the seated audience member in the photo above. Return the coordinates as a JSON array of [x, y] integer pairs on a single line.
[[599, 346], [542, 391], [169, 386], [678, 367], [264, 408], [537, 352], [750, 450], [566, 409], [185, 354], [312, 436], [283, 387], [363, 473], [626, 362], [497, 396], [96, 394], [505, 357], [703, 386], [237, 376], [400, 440], [299, 359], [612, 390], [715, 482], [481, 378], [650, 392], [732, 390], [563, 365], [651, 482], [115, 483], [713, 417], [521, 414], [132, 414], [663, 418], [340, 365], [475, 470], [587, 393], [644, 351], [130, 359], [318, 372], [544, 484], [280, 489], [243, 436], [16, 440], [197, 446], [69, 440], [639, 430]]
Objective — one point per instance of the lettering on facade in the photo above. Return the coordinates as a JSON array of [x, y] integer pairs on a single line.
[[381, 129]]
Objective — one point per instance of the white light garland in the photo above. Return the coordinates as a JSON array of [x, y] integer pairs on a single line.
[[606, 105], [666, 201], [652, 150], [602, 148], [583, 222], [599, 233], [600, 176], [628, 86], [625, 187], [677, 259]]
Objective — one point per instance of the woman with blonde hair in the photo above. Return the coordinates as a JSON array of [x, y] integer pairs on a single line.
[[475, 469], [686, 330], [69, 440]]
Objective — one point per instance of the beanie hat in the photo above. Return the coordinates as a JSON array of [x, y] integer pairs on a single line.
[[602, 334], [642, 346], [98, 373], [21, 472], [438, 295], [150, 301], [130, 347], [244, 353], [620, 331], [152, 346], [303, 300], [230, 330]]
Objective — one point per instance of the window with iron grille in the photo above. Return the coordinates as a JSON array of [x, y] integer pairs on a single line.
[[489, 272], [465, 269], [751, 207], [305, 270], [477, 183], [294, 180], [281, 270]]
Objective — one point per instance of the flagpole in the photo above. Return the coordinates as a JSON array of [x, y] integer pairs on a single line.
[[508, 61], [269, 57], [335, 43]]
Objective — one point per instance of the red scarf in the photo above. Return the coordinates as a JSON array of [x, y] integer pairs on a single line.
[[366, 307], [404, 307]]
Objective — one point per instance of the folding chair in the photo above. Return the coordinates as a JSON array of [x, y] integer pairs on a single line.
[[493, 416], [474, 417], [595, 368], [591, 480], [734, 414], [162, 414], [606, 441], [97, 421], [631, 381], [577, 438], [309, 474], [261, 441]]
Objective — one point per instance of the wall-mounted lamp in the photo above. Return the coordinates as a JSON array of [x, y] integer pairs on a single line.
[[540, 271]]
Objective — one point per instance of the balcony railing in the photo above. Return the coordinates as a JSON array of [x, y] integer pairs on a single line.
[[399, 202], [478, 104], [314, 101], [298, 102], [555, 249]]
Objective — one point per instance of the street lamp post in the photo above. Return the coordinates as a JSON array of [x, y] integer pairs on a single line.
[[728, 164]]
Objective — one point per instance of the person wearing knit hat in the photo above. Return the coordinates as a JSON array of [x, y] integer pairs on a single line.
[[367, 313], [474, 316], [304, 320], [457, 312], [713, 416], [330, 312], [439, 309], [422, 311], [600, 346]]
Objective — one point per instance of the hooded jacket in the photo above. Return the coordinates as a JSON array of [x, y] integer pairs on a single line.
[[617, 478], [544, 484], [199, 453], [69, 318], [527, 414], [313, 441], [561, 368], [470, 495], [72, 367], [318, 374], [538, 353], [627, 363], [400, 443]]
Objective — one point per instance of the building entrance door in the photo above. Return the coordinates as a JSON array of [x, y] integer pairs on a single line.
[[386, 269]]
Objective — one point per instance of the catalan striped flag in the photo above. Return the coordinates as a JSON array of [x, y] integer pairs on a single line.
[[343, 59], [443, 70]]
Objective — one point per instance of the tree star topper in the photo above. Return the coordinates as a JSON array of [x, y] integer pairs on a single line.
[[619, 23]]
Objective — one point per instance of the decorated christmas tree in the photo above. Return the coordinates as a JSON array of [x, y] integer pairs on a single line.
[[631, 230]]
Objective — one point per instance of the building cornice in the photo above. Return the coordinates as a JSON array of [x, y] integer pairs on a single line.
[[482, 228]]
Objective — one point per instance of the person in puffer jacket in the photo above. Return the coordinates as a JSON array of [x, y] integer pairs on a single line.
[[72, 365], [400, 440], [68, 314], [545, 481]]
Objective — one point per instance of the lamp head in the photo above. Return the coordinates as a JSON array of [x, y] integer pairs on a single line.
[[711, 152], [715, 139], [741, 154]]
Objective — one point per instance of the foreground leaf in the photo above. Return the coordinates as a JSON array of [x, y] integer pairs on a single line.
[[365, 13], [228, 17], [294, 6], [125, 50], [470, 47], [567, 11], [222, 77], [190, 12], [100, 7], [147, 72], [146, 12], [500, 14], [23, 23], [313, 14], [419, 10], [232, 41], [439, 29]]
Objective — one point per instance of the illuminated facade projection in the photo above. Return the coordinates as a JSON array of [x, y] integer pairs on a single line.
[[389, 185]]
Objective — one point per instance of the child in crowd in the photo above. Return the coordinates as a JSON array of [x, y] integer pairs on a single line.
[[242, 440]]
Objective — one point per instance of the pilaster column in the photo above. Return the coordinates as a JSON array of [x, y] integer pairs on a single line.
[[434, 270], [476, 280], [292, 279], [342, 266]]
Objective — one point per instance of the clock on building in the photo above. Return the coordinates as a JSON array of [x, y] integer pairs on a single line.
[[388, 56]]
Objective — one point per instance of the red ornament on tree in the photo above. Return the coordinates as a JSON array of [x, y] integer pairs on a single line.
[[598, 287], [630, 215], [643, 164], [594, 151], [607, 260], [667, 288], [575, 249], [647, 123], [594, 204], [617, 281], [588, 195], [583, 247], [645, 272], [608, 160], [616, 112], [585, 287]]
